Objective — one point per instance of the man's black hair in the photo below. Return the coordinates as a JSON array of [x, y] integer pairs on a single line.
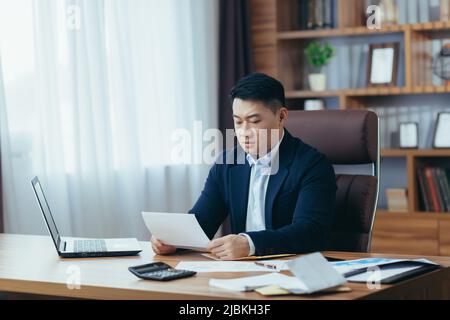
[[260, 87]]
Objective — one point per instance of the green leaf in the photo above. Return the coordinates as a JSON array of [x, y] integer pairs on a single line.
[[318, 55]]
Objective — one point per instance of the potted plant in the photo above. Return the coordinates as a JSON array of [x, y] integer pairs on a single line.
[[318, 56]]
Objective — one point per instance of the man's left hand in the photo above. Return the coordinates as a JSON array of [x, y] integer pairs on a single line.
[[230, 247]]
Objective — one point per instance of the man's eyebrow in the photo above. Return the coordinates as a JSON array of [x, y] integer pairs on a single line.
[[254, 115]]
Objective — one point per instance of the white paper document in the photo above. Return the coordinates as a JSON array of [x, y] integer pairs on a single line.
[[230, 266], [312, 273], [315, 272], [176, 229], [255, 282]]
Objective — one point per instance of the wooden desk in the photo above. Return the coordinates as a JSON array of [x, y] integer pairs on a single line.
[[29, 264]]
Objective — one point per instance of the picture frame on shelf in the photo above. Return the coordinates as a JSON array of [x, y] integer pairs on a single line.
[[382, 67], [409, 135], [441, 134], [314, 105]]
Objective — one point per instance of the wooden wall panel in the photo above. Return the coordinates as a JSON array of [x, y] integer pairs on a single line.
[[263, 27], [444, 238], [405, 235]]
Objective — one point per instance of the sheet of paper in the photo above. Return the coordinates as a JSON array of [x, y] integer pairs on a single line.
[[252, 258], [277, 291], [272, 291], [255, 282], [229, 266], [177, 229], [315, 272]]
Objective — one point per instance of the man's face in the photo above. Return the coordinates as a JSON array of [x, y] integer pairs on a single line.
[[258, 129]]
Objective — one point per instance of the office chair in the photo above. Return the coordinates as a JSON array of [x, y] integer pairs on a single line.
[[346, 137]]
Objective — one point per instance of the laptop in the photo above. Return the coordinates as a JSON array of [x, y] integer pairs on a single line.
[[82, 248]]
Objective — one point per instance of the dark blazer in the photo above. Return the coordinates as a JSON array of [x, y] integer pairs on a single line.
[[299, 200]]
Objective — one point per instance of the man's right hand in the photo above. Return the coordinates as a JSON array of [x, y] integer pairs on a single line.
[[161, 248]]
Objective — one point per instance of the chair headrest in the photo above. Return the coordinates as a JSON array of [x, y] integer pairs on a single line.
[[344, 136]]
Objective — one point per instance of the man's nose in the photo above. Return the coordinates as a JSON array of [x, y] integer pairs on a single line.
[[249, 131], [246, 128]]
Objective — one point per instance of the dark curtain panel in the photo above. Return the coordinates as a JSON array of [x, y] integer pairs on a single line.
[[2, 229], [235, 53], [234, 60]]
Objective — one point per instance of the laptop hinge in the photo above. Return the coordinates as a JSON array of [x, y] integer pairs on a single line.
[[62, 246]]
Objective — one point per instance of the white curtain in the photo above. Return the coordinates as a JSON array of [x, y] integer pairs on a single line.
[[93, 92]]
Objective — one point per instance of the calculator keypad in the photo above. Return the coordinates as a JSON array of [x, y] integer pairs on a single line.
[[160, 271], [167, 274]]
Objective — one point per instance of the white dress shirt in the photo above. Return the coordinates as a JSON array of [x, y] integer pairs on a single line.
[[259, 180]]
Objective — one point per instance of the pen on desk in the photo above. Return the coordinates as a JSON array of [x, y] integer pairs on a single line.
[[267, 265]]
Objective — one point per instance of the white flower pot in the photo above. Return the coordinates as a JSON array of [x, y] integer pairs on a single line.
[[317, 81]]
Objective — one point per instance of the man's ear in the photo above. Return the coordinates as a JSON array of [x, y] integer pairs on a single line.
[[283, 115]]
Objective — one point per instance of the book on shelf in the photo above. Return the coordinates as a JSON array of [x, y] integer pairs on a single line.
[[303, 14], [445, 10], [397, 200], [434, 10], [312, 18], [434, 188], [444, 188], [413, 7], [424, 11], [424, 191], [316, 14], [328, 13]]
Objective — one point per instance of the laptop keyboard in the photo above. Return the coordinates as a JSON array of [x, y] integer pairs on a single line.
[[89, 246]]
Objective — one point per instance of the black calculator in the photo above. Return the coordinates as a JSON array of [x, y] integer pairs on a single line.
[[159, 271]]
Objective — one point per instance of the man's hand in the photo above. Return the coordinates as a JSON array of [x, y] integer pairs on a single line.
[[161, 248], [230, 247]]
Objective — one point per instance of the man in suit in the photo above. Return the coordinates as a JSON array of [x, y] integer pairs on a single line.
[[280, 198]]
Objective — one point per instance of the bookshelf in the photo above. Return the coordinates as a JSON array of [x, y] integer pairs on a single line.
[[278, 46]]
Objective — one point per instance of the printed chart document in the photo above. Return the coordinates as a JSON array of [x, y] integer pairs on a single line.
[[312, 273], [181, 230], [383, 270]]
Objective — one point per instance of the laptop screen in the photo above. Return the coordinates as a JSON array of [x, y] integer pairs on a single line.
[[45, 209]]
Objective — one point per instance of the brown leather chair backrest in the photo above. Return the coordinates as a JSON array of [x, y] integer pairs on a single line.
[[346, 137]]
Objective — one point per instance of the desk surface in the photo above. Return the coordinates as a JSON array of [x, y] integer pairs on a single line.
[[29, 264]]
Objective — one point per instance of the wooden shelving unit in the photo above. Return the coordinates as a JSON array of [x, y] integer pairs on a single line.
[[368, 92], [278, 47], [434, 27], [413, 153], [414, 159]]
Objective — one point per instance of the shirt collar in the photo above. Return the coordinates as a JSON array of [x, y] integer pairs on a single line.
[[265, 160]]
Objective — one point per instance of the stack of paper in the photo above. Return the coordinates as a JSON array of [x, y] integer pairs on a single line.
[[397, 200], [313, 273]]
